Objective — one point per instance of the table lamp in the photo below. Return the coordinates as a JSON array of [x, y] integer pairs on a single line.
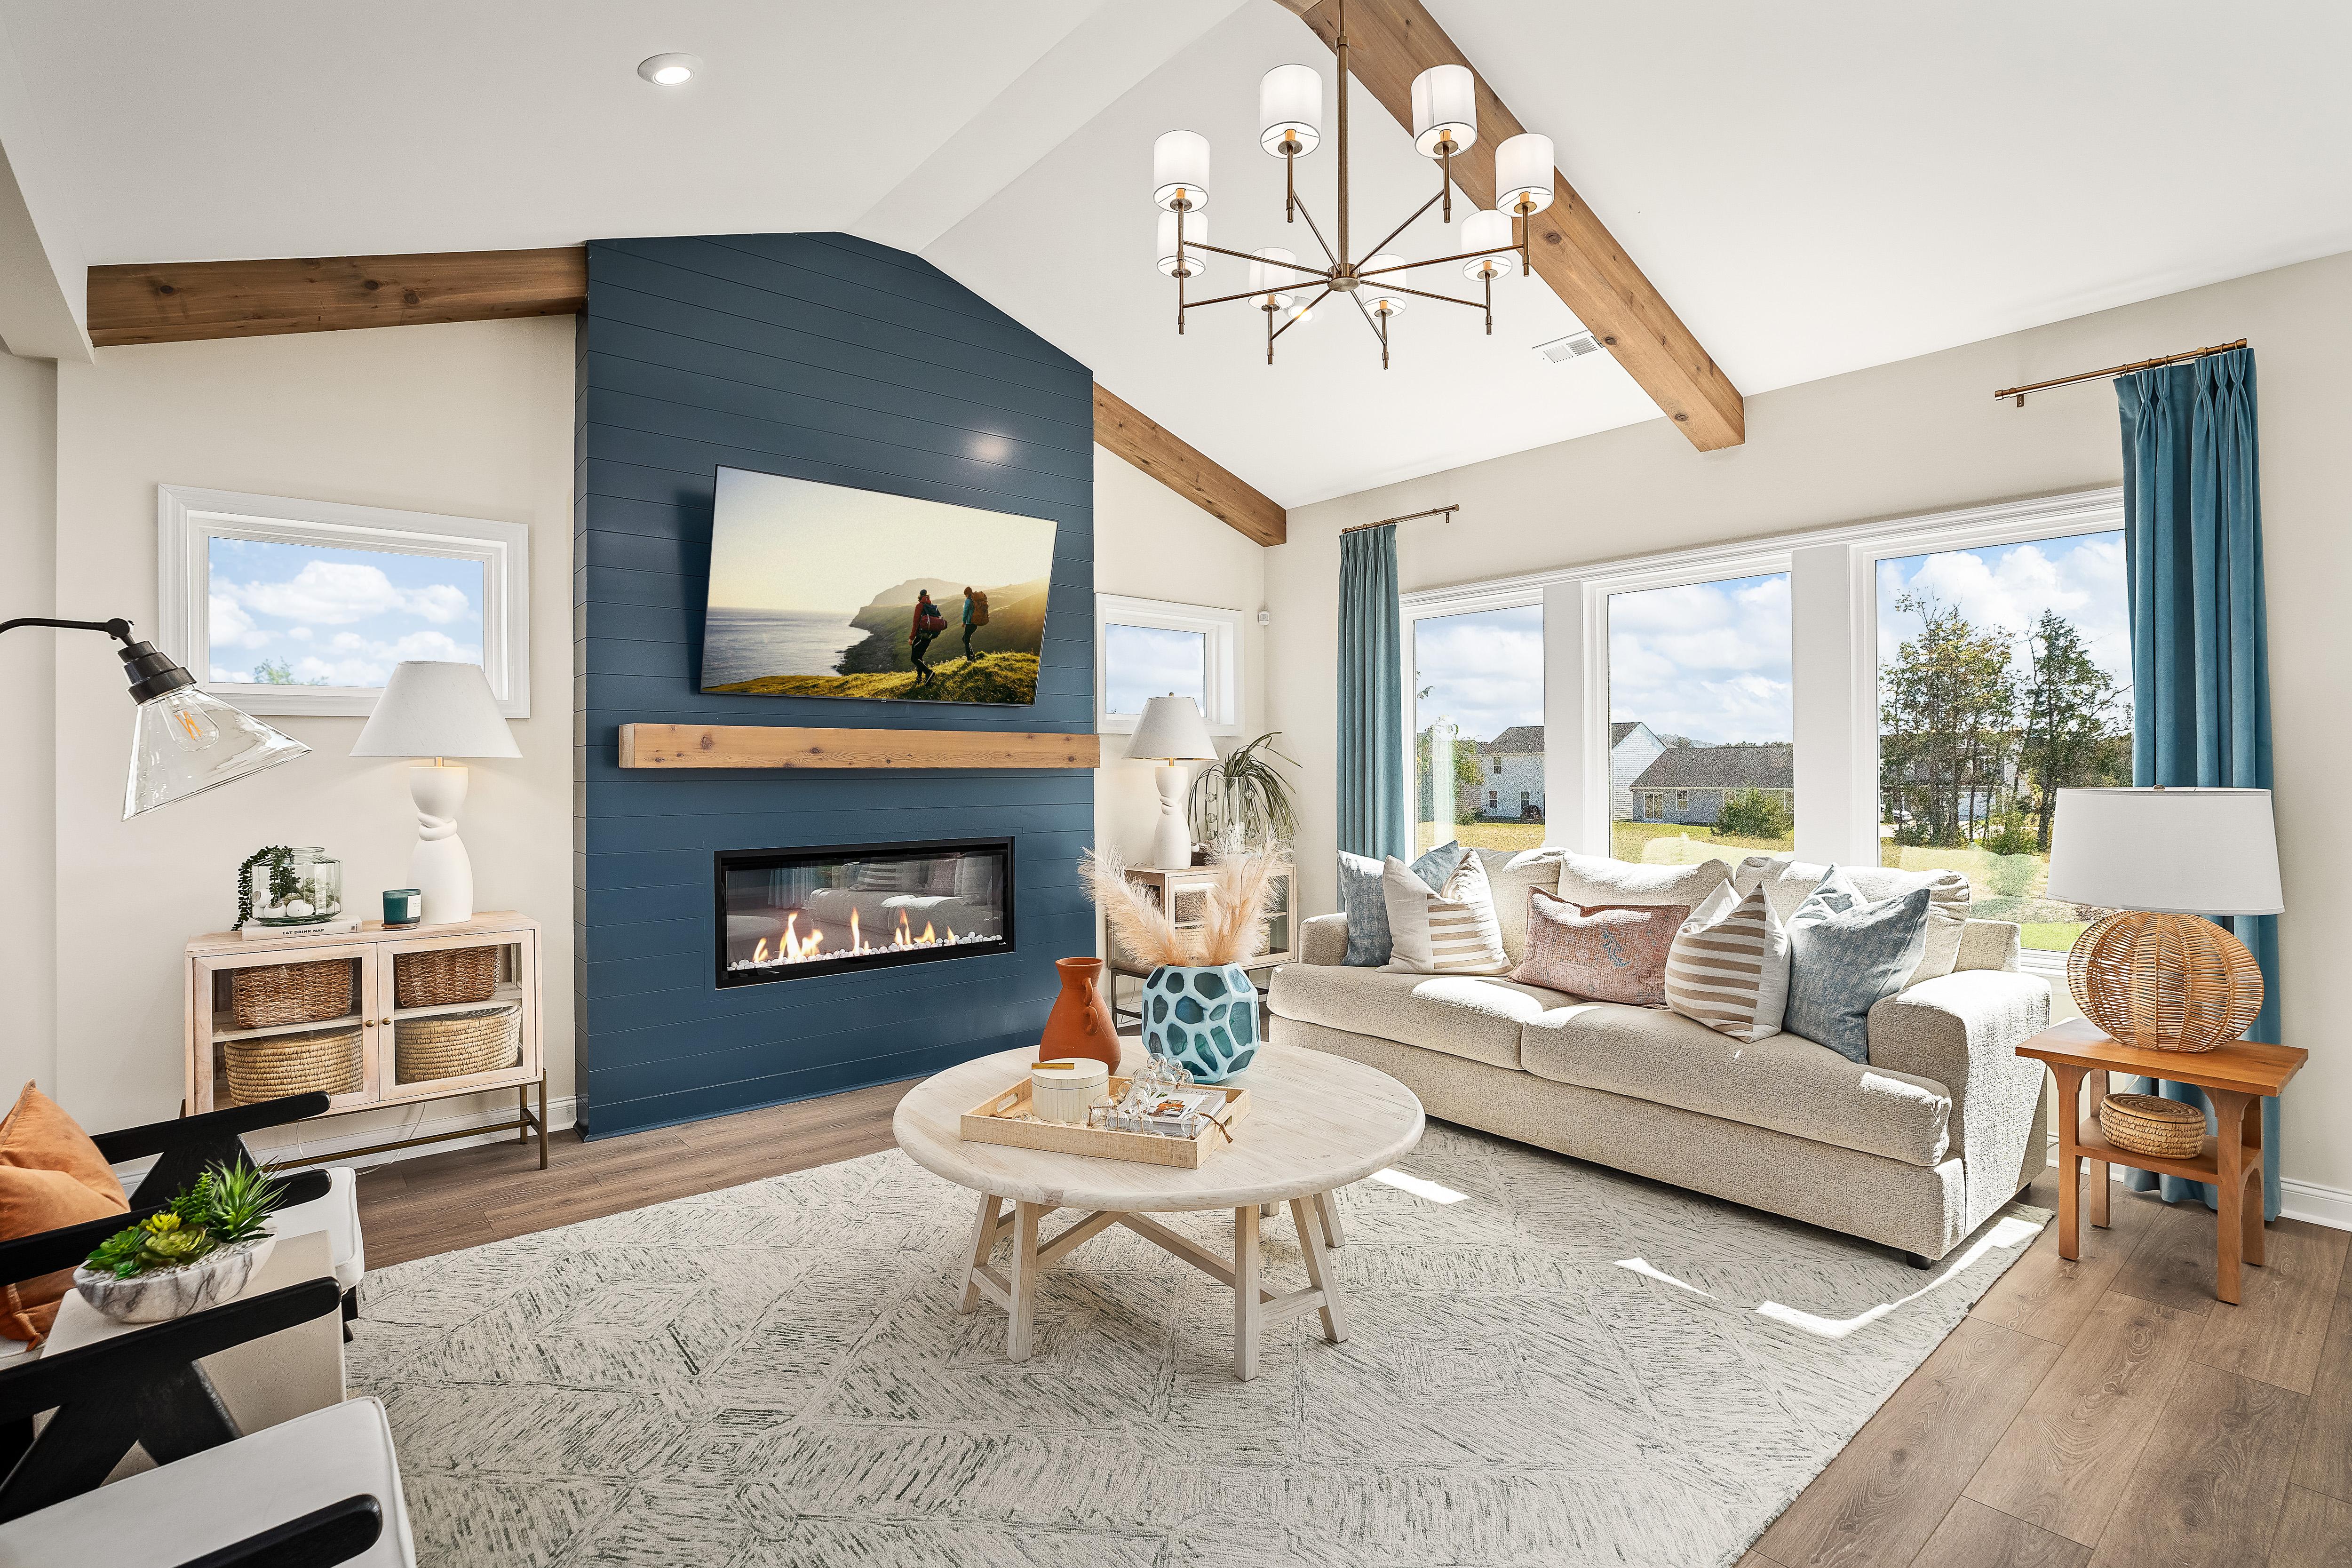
[[1172, 732], [2156, 974], [437, 710]]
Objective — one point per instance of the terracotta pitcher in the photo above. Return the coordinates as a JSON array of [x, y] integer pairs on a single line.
[[1080, 1023]]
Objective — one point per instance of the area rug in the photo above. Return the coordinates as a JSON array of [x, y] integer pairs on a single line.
[[1550, 1364]]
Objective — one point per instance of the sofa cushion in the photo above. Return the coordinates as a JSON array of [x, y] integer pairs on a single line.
[[1450, 932], [1787, 881], [1784, 1083], [1590, 880], [1366, 906], [1511, 876], [1460, 1015], [1606, 953]]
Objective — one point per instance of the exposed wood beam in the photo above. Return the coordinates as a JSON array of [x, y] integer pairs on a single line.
[[1166, 457], [1389, 42], [176, 301], [669, 746]]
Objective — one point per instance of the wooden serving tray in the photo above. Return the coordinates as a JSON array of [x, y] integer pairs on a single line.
[[998, 1120]]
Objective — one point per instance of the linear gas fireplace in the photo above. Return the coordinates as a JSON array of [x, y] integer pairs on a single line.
[[784, 914]]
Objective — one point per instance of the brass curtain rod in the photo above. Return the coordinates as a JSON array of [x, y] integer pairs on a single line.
[[1445, 512], [2019, 392]]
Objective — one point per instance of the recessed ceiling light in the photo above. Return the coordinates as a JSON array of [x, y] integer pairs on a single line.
[[669, 71]]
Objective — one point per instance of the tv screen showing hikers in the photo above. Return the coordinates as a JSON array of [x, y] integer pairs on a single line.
[[821, 590]]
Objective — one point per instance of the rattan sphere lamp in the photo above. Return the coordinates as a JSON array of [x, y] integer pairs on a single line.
[[2156, 974]]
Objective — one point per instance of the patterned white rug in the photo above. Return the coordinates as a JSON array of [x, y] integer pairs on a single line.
[[1550, 1364]]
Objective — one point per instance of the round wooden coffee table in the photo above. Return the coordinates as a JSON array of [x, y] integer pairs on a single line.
[[1316, 1123]]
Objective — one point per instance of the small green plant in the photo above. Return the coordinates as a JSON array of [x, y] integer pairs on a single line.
[[1243, 801], [283, 883], [1753, 813], [225, 1204]]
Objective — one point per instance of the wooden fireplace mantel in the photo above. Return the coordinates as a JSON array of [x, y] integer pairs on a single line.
[[770, 746]]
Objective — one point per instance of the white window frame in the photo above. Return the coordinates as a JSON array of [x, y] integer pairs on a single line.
[[1222, 630], [187, 520]]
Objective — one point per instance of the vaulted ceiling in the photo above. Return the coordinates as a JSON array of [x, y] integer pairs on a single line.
[[1815, 186]]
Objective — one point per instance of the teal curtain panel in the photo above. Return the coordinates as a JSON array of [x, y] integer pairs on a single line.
[[2201, 666], [1371, 703]]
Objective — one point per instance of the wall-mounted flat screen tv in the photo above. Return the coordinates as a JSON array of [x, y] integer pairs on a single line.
[[821, 589]]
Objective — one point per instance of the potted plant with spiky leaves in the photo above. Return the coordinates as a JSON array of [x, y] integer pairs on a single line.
[[202, 1249]]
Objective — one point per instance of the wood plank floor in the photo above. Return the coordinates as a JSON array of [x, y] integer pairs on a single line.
[[2106, 1412]]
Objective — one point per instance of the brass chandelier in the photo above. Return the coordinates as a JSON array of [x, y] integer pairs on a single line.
[[1290, 117]]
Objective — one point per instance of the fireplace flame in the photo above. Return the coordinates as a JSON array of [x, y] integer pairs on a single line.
[[794, 946], [760, 953]]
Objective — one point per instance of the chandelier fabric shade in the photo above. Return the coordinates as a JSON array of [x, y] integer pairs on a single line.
[[1196, 234], [1444, 108], [1290, 109], [1380, 293], [1266, 280], [1487, 236], [1523, 174], [1180, 170]]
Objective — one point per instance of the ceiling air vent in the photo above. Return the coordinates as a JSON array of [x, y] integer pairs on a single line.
[[1576, 345]]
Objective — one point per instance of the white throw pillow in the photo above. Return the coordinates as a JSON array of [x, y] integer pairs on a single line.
[[1788, 881], [1728, 967], [1509, 877], [1449, 931], [1589, 881]]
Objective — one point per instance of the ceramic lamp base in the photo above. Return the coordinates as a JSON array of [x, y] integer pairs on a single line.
[[2165, 983], [439, 866], [1171, 841]]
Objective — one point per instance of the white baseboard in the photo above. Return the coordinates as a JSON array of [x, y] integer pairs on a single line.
[[2305, 1201], [326, 1138]]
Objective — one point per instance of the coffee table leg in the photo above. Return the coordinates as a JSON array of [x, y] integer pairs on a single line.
[[1025, 1280], [1247, 1315], [1326, 1209], [983, 1242], [1319, 1267]]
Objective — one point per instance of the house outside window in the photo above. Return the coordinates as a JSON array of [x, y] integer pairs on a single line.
[[1492, 799], [1498, 764]]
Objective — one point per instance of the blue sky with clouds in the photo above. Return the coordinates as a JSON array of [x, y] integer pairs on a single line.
[[2081, 576], [1706, 661], [340, 618], [1140, 663], [1483, 672]]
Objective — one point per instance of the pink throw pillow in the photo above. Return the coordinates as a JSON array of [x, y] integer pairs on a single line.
[[1604, 952]]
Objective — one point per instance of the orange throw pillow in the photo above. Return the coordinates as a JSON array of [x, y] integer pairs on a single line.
[[51, 1174]]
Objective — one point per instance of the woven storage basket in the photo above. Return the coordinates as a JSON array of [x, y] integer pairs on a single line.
[[271, 994], [325, 1062], [445, 976], [456, 1044], [2144, 1124]]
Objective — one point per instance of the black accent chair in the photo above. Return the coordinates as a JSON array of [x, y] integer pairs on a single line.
[[320, 1539]]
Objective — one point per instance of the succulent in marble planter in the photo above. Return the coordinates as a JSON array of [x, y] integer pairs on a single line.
[[176, 1292]]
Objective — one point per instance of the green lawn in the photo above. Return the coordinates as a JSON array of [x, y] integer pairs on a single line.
[[1513, 836], [1680, 844]]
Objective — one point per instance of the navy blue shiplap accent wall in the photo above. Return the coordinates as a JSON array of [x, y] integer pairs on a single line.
[[822, 357]]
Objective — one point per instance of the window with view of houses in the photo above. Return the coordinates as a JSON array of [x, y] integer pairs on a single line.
[[1477, 728], [2004, 675], [1701, 760]]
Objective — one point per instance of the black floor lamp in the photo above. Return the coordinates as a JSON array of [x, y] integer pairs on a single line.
[[184, 741]]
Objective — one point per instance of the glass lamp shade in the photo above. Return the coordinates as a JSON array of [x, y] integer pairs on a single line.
[[1523, 174], [1444, 108], [1490, 233], [1266, 282], [1196, 234], [1179, 171], [1378, 293], [187, 742], [1290, 109]]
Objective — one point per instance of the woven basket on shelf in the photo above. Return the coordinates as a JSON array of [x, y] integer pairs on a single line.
[[445, 976], [326, 1061], [456, 1044], [2144, 1124], [271, 993]]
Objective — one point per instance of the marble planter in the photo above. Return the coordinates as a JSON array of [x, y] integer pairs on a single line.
[[1204, 1017], [176, 1293]]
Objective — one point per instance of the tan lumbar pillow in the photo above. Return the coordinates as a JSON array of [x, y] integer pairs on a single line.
[[1450, 932]]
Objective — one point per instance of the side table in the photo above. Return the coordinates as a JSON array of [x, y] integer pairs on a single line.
[[2235, 1078]]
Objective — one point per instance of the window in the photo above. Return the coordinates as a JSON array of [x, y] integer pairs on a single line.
[[293, 608], [1150, 647], [1474, 677], [1705, 668], [1493, 798], [1524, 801], [2004, 675]]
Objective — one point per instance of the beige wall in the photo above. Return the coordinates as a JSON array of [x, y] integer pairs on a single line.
[[27, 710], [472, 420], [1921, 435]]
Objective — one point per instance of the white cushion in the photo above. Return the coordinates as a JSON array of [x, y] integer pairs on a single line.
[[275, 1474], [1510, 877], [1592, 880], [337, 1214], [1788, 881]]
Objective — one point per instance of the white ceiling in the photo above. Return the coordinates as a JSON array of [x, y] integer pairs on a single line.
[[1815, 186]]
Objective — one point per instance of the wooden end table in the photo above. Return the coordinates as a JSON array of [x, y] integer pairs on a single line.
[[2236, 1080], [1316, 1123]]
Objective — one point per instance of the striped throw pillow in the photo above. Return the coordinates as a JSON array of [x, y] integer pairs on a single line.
[[1728, 967], [1450, 932]]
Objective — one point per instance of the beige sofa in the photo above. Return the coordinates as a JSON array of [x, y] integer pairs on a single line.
[[1915, 1149]]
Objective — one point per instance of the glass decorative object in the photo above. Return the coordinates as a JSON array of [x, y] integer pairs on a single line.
[[1203, 1020], [295, 886]]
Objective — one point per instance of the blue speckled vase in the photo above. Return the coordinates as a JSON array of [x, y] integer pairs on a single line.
[[1206, 1018]]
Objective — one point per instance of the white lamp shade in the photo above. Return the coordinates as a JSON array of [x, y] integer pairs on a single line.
[[1489, 232], [1180, 170], [1378, 293], [1523, 174], [187, 740], [1172, 731], [1196, 234], [1445, 107], [432, 709], [2167, 851], [1290, 109], [1270, 284]]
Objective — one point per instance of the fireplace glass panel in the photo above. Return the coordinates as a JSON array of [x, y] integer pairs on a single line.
[[785, 914]]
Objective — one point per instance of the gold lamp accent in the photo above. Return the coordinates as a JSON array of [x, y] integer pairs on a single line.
[[2156, 974]]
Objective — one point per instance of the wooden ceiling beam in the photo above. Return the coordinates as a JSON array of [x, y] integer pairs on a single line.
[[1389, 42], [1150, 446]]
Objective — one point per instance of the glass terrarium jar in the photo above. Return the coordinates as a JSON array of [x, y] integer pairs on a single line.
[[301, 886]]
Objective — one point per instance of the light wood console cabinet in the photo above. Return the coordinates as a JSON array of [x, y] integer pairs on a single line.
[[366, 998]]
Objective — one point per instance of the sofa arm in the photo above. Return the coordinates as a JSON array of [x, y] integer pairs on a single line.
[[1962, 1030], [1989, 944], [1323, 938]]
